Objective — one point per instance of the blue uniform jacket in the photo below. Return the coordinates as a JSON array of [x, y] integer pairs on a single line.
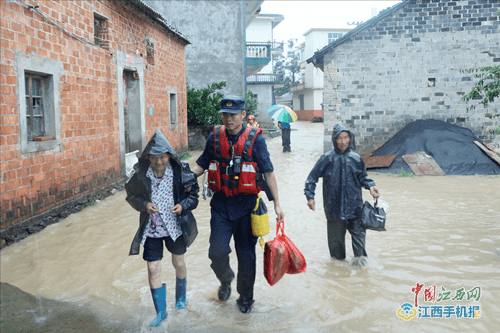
[[240, 205]]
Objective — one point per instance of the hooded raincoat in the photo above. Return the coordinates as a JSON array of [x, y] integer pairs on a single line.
[[138, 189], [343, 177]]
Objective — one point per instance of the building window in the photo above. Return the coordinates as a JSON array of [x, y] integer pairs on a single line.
[[333, 36], [35, 87], [173, 109], [301, 101], [150, 49], [101, 31], [302, 55], [39, 112]]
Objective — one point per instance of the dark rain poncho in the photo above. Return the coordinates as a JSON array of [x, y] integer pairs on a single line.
[[343, 176], [138, 189]]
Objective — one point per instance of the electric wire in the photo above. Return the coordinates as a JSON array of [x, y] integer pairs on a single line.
[[35, 8]]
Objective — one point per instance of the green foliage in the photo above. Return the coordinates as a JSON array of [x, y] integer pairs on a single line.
[[285, 89], [486, 90], [203, 105], [290, 66], [250, 103], [402, 173], [186, 156]]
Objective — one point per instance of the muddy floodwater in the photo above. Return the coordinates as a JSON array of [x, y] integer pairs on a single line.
[[443, 237]]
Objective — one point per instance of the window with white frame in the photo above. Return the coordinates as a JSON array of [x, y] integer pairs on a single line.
[[333, 36]]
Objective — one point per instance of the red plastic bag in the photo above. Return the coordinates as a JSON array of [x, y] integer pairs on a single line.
[[282, 256], [275, 257], [296, 261]]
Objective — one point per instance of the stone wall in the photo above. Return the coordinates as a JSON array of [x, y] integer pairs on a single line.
[[216, 30], [405, 67]]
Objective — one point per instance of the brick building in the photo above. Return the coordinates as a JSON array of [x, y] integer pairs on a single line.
[[83, 83], [403, 65]]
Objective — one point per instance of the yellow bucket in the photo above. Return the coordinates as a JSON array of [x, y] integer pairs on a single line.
[[260, 221]]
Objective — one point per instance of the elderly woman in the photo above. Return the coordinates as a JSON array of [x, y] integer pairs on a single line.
[[164, 191]]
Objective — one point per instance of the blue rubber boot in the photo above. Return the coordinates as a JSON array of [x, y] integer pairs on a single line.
[[160, 302], [180, 293]]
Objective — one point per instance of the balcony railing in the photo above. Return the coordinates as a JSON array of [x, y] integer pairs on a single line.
[[258, 49], [258, 55], [271, 78], [278, 46]]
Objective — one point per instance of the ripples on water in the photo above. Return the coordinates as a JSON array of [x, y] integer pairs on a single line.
[[442, 231]]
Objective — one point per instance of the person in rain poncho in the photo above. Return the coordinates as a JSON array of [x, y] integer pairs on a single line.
[[164, 190], [344, 173]]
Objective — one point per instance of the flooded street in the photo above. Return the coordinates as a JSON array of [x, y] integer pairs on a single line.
[[441, 231]]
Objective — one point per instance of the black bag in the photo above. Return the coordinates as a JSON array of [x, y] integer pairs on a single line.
[[373, 217], [188, 226]]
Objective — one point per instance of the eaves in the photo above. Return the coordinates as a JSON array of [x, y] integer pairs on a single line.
[[141, 4]]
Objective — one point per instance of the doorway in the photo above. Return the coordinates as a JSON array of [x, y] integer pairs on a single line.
[[132, 111]]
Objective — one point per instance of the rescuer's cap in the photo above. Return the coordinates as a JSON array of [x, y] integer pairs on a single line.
[[232, 104]]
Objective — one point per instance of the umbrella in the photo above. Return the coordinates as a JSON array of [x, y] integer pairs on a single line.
[[274, 108], [282, 113]]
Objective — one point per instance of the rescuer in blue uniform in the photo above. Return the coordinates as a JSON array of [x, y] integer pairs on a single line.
[[239, 166]]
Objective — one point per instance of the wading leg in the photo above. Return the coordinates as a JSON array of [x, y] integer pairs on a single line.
[[336, 238], [220, 236], [158, 292], [245, 243], [358, 235]]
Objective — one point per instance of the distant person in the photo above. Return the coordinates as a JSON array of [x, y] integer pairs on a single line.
[[344, 173], [238, 165], [165, 191], [252, 122], [285, 135]]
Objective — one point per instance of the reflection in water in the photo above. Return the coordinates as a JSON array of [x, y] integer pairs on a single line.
[[442, 231]]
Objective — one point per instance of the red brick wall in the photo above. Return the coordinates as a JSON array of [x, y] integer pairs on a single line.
[[308, 114], [32, 183], [168, 71]]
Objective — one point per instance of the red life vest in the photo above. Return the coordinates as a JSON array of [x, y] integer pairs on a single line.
[[233, 171]]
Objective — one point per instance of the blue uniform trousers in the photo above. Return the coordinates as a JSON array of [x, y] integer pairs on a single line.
[[222, 229]]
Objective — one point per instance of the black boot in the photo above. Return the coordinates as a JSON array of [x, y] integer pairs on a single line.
[[224, 291], [245, 304], [225, 282]]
